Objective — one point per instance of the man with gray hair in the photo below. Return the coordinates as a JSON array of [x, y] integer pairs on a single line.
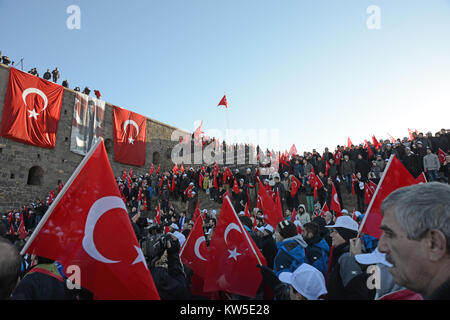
[[416, 238]]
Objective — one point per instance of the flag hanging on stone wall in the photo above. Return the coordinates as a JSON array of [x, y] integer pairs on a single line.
[[87, 123]]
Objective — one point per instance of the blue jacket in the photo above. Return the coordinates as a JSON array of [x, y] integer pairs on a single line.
[[290, 255], [318, 253]]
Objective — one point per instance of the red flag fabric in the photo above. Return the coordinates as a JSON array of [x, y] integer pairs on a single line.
[[268, 206], [335, 204], [421, 178], [279, 207], [197, 212], [175, 169], [215, 184], [233, 256], [11, 229], [182, 168], [198, 131], [294, 186], [235, 187], [130, 131], [130, 173], [194, 252], [375, 143], [60, 186], [139, 198], [410, 132], [442, 155], [152, 169], [158, 214], [124, 175], [324, 209], [246, 211], [145, 204], [369, 191], [392, 138], [200, 180], [293, 150], [31, 111], [88, 226], [395, 176], [349, 143], [327, 166], [22, 232], [157, 171], [369, 149], [223, 102], [294, 215], [173, 183]]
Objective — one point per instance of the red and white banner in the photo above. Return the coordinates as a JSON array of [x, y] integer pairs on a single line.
[[88, 226], [233, 256], [32, 109], [130, 131], [194, 252]]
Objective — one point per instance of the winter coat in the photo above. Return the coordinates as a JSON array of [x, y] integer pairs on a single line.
[[346, 280], [362, 166], [431, 162], [347, 167], [269, 249], [290, 254], [304, 217], [317, 253]]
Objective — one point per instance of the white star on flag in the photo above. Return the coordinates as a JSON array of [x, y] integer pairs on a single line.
[[131, 140], [33, 114], [140, 258], [233, 254]]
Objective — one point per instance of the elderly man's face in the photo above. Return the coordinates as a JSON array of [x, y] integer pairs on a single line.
[[407, 256]]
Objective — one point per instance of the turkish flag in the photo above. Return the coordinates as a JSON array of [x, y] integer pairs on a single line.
[[268, 206], [294, 215], [216, 186], [327, 166], [421, 178], [22, 232], [349, 143], [235, 187], [157, 170], [410, 132], [175, 169], [200, 180], [182, 168], [223, 102], [335, 204], [324, 209], [375, 142], [158, 214], [246, 211], [152, 169], [32, 109], [369, 191], [194, 252], [395, 176], [233, 256], [88, 226], [442, 156], [369, 149], [295, 185], [293, 150], [130, 131]]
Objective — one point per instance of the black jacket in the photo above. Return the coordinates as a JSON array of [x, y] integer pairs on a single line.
[[269, 249], [171, 282], [346, 281], [39, 286]]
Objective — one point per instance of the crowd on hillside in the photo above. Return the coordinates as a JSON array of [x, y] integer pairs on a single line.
[[311, 254]]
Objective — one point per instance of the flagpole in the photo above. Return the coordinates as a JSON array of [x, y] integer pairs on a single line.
[[375, 195], [60, 195]]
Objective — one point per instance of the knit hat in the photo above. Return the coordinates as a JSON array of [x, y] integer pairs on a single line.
[[287, 229]]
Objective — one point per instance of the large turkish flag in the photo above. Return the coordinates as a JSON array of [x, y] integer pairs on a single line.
[[130, 131], [88, 226], [233, 256], [194, 252], [32, 109]]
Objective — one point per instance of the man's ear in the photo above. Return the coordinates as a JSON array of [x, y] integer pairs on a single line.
[[435, 245]]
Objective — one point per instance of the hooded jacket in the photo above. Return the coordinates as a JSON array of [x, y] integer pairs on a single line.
[[303, 217], [317, 253], [290, 255]]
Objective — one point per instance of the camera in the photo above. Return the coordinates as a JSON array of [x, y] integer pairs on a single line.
[[155, 243]]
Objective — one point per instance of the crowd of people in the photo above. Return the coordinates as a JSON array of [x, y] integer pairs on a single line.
[[312, 254], [54, 76]]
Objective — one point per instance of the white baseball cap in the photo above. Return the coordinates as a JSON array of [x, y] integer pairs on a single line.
[[345, 222], [373, 258], [174, 226], [306, 280]]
